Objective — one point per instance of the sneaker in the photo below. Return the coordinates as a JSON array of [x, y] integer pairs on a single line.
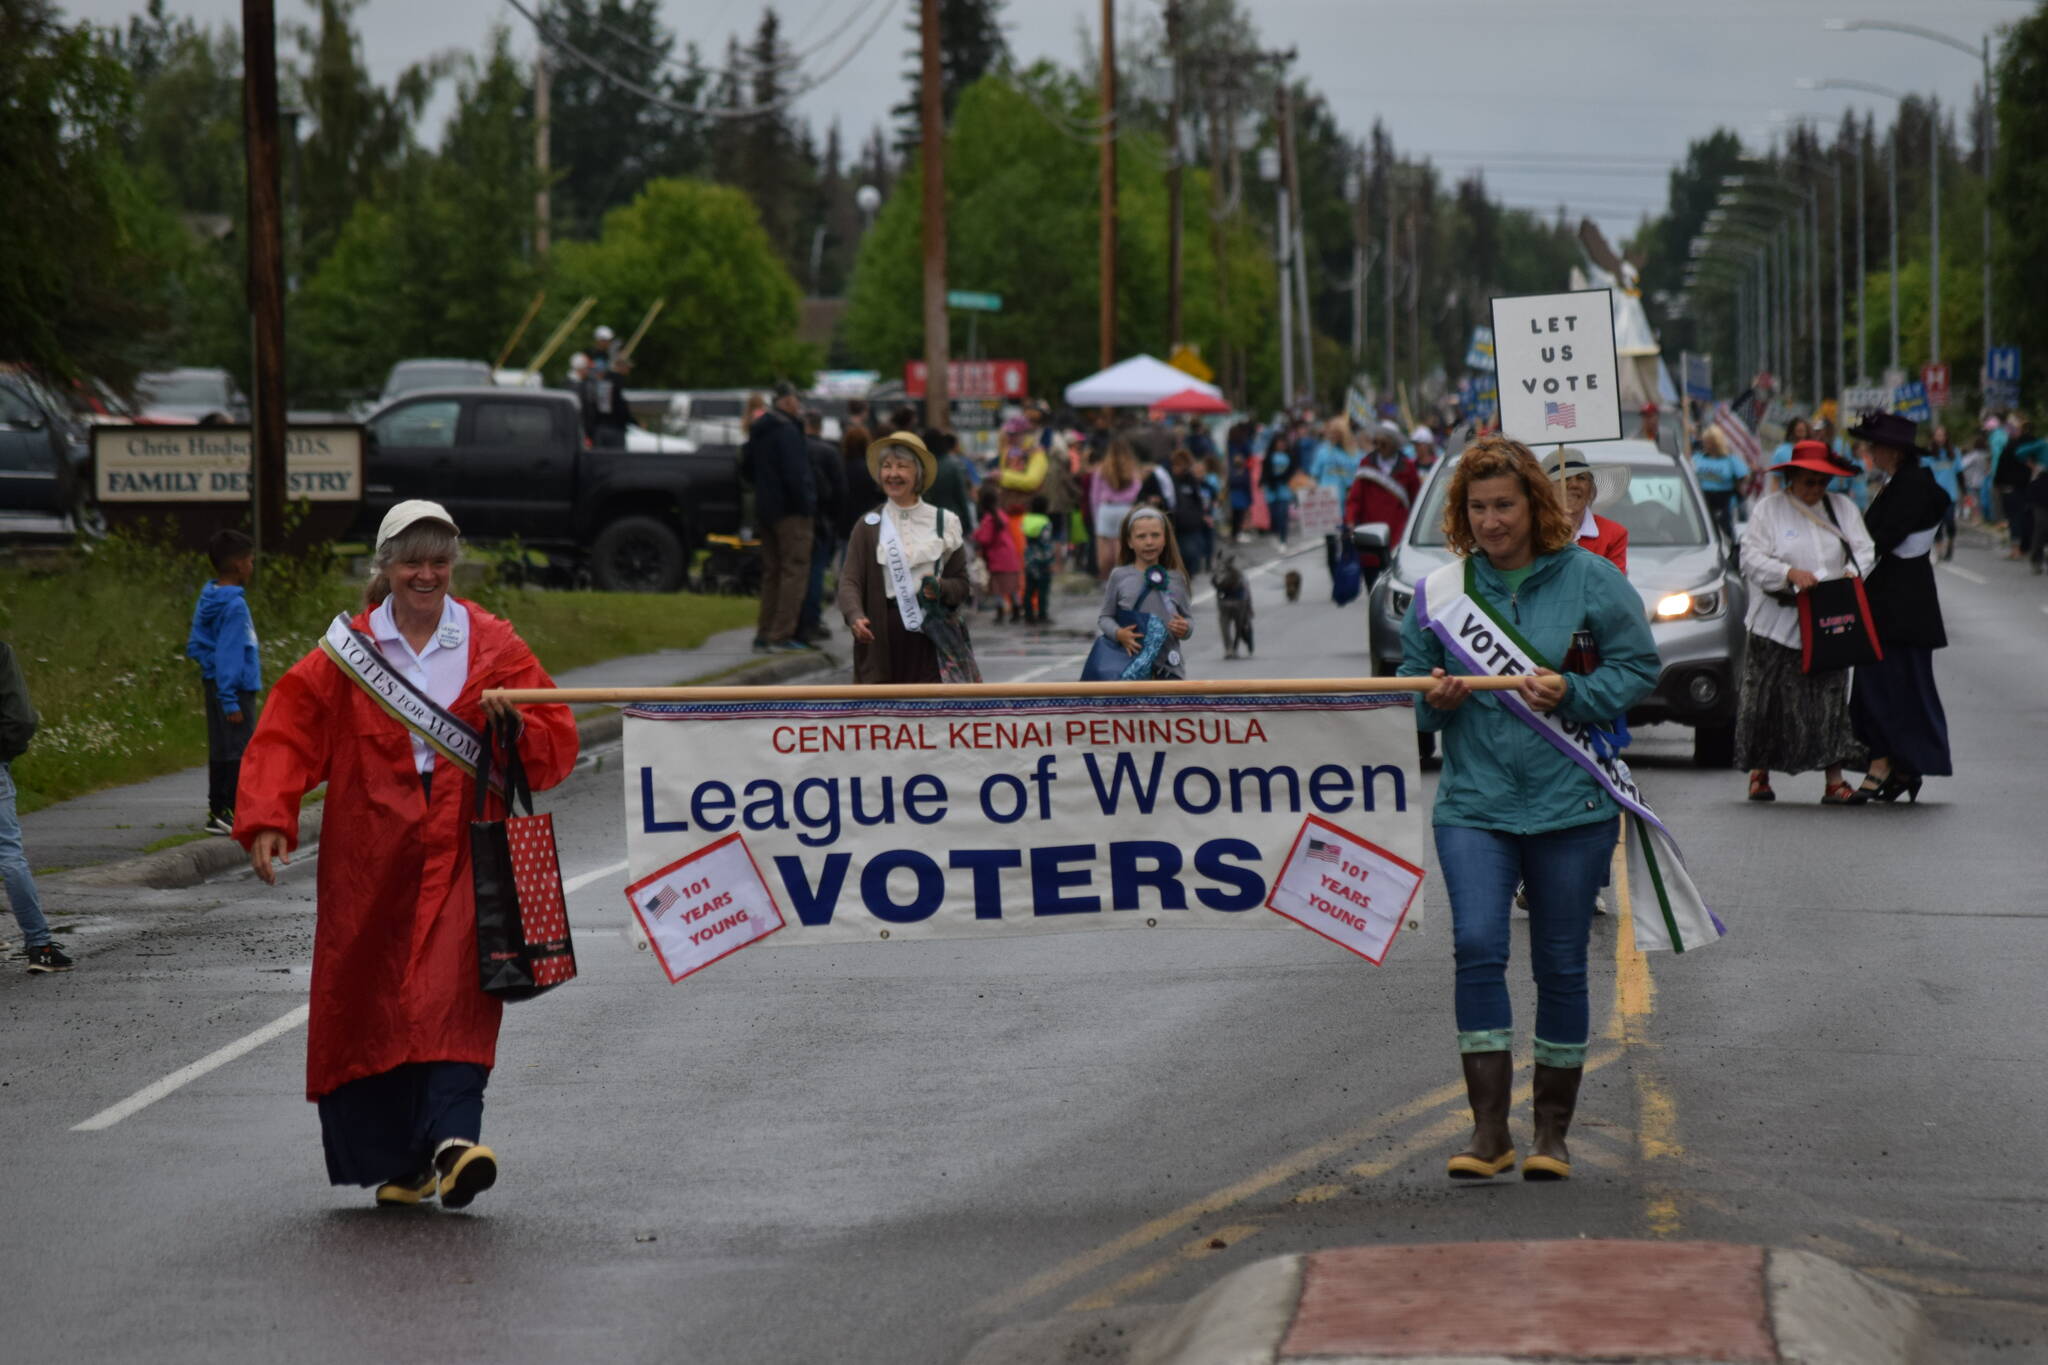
[[792, 647], [48, 957], [222, 825], [761, 646], [413, 1189], [467, 1169]]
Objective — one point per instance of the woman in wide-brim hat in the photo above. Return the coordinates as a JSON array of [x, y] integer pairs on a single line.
[[885, 648], [1788, 720], [1584, 486], [1894, 706]]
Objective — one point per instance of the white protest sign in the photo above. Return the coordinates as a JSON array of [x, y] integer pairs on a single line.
[[704, 906], [1857, 401], [1319, 510], [894, 819], [1557, 372], [1351, 891]]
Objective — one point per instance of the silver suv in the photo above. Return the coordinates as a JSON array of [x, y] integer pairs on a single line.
[[1677, 561]]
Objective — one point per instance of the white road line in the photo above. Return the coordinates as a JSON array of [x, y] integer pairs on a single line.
[[1966, 574], [213, 1061], [150, 1094]]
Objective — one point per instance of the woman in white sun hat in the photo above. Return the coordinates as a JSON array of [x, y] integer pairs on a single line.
[[1585, 486], [388, 712]]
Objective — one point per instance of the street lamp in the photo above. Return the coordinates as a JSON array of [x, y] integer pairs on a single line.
[[1808, 229], [1933, 211], [1835, 168], [1983, 53]]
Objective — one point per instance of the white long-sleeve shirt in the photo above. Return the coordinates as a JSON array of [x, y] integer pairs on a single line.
[[1781, 538]]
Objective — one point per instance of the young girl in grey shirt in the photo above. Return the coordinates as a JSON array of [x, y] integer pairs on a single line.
[[1146, 552]]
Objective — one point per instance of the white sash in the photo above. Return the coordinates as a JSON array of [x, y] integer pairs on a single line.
[[1482, 643], [446, 734], [1367, 472], [1915, 545], [897, 565]]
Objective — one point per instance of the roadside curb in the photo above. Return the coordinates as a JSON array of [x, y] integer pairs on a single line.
[[1582, 1300], [187, 865]]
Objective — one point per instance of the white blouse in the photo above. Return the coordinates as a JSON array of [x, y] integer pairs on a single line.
[[1780, 538], [918, 527]]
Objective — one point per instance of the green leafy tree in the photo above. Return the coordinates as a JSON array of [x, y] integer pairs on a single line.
[[731, 312], [2019, 190], [438, 265], [86, 247]]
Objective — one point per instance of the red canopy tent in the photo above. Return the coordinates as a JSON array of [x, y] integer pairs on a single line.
[[1190, 400]]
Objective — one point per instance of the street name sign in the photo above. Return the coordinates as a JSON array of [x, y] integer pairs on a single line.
[[1558, 376], [973, 301]]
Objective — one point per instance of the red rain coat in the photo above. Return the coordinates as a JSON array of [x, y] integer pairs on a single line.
[[1611, 542], [394, 944]]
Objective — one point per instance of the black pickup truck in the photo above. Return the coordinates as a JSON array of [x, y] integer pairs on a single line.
[[512, 464]]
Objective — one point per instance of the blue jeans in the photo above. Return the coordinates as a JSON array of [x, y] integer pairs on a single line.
[[1562, 871], [21, 886]]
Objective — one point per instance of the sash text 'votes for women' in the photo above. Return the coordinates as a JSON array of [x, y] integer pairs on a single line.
[[942, 818]]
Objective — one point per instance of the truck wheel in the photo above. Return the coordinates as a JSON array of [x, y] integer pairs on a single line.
[[638, 554], [1713, 746]]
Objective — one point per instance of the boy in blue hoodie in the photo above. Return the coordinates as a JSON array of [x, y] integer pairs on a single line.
[[223, 644]]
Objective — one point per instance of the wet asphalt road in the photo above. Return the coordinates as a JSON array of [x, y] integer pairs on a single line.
[[884, 1152]]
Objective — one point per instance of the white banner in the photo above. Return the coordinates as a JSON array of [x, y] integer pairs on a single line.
[[1557, 369], [887, 819]]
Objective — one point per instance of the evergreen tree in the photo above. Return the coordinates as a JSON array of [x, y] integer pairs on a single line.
[[971, 45]]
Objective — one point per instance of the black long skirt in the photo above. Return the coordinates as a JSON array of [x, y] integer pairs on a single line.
[[1789, 721], [1897, 712], [386, 1126]]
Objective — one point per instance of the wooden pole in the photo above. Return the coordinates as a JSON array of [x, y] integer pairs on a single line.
[[626, 351], [561, 333], [266, 276], [532, 312], [1174, 173], [543, 134], [1166, 691], [1106, 282], [938, 406]]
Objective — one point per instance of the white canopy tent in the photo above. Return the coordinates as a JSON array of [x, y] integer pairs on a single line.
[[1138, 382]]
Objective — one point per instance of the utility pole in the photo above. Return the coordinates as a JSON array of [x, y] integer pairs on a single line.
[[1173, 178], [1387, 279], [1414, 305], [1934, 232], [1290, 172], [1107, 282], [1840, 378], [1984, 146], [1217, 243], [266, 276], [1862, 272], [1894, 167], [543, 138], [938, 407]]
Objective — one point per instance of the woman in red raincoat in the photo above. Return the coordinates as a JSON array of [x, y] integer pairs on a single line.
[[402, 1037]]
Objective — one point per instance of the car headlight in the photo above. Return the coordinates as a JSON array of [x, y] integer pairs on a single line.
[[1399, 598], [1680, 606]]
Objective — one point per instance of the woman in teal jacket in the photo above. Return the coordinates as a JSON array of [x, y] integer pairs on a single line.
[[1510, 807]]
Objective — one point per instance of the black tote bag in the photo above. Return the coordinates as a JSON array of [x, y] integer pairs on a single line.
[[522, 916], [1835, 629]]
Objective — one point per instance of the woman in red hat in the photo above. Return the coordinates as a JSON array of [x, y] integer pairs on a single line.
[[1789, 720]]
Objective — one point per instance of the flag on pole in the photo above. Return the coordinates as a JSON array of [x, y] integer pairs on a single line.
[[1740, 439]]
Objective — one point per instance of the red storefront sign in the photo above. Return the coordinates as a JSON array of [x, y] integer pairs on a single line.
[[1001, 379]]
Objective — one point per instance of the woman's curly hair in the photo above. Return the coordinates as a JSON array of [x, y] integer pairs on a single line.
[[1490, 457]]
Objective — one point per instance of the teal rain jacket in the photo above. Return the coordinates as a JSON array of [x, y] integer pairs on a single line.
[[1498, 772]]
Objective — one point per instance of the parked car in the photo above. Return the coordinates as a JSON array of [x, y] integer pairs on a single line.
[[719, 416], [1677, 562], [408, 376], [44, 454], [190, 395], [512, 464]]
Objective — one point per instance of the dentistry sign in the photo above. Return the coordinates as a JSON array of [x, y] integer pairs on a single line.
[[847, 821], [1557, 374], [167, 464]]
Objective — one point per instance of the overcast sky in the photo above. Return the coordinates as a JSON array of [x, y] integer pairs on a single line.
[[1467, 81]]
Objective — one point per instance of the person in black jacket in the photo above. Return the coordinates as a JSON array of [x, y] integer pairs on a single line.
[[778, 460], [17, 728], [1895, 708], [828, 474]]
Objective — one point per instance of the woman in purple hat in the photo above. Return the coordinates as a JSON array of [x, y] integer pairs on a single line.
[[1788, 720], [1895, 707]]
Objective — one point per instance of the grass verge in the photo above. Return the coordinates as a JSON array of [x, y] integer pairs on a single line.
[[101, 641]]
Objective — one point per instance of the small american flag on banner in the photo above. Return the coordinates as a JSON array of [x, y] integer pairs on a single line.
[[1322, 850], [1560, 415], [661, 901]]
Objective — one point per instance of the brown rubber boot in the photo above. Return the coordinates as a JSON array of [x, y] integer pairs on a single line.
[[1555, 1094], [1489, 1076]]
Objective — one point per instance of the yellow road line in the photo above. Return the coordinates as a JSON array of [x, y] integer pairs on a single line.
[[1635, 998], [1199, 1249], [1919, 1284], [1316, 1194], [1907, 1240]]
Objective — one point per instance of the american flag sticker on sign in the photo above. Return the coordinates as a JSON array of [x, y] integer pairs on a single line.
[[705, 906], [1560, 415], [1348, 889]]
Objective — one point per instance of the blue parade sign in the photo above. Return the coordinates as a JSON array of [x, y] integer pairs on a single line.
[[1910, 400]]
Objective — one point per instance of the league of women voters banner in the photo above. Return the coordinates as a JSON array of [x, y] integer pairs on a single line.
[[842, 821]]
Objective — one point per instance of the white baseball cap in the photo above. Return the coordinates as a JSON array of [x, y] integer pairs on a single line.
[[1422, 433], [605, 334], [410, 511]]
